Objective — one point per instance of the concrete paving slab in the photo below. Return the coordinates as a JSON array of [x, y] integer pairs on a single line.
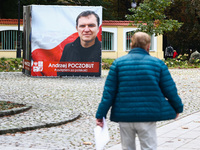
[[181, 134]]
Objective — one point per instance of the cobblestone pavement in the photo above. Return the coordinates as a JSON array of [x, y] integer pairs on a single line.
[[55, 99]]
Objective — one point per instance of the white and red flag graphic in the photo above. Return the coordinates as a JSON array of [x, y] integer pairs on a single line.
[[52, 27]]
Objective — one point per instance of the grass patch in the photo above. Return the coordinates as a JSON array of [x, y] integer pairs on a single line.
[[6, 105]]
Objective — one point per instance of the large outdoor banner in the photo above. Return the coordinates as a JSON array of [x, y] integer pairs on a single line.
[[63, 40], [26, 41]]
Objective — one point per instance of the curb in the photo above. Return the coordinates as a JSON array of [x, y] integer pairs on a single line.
[[14, 111], [47, 125]]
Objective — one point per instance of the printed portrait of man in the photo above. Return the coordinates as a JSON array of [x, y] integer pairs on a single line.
[[87, 47]]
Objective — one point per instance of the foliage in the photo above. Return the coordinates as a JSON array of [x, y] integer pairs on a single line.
[[150, 17], [107, 5], [188, 36], [112, 9], [9, 8], [182, 62], [106, 63], [10, 64], [15, 64], [118, 9]]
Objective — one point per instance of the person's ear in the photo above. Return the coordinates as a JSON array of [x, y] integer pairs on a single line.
[[148, 47], [131, 44]]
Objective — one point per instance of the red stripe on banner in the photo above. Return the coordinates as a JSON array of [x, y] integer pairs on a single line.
[[42, 55], [76, 67], [27, 64], [55, 53], [50, 68], [99, 35]]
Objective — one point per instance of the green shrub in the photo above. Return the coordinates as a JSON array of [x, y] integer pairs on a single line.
[[106, 63], [15, 64], [182, 57], [10, 64], [182, 62]]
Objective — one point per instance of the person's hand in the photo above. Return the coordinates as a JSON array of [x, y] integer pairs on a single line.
[[177, 115], [99, 122]]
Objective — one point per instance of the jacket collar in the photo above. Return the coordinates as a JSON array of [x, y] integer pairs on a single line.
[[138, 50]]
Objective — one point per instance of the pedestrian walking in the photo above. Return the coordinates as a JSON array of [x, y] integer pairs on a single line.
[[169, 51], [140, 91]]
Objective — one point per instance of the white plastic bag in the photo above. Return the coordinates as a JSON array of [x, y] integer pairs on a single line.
[[101, 135]]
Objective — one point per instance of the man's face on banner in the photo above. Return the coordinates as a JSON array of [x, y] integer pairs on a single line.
[[87, 29]]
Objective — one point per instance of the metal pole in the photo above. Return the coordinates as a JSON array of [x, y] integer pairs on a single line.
[[118, 9], [18, 39]]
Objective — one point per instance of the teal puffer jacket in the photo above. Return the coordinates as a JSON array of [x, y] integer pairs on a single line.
[[139, 88]]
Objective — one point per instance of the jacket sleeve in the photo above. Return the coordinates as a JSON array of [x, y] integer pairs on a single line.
[[169, 89], [109, 93]]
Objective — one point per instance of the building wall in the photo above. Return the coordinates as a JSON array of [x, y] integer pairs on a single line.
[[9, 53], [120, 45], [159, 53], [118, 52], [10, 27]]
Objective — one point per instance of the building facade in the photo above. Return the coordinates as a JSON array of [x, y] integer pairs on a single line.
[[115, 39], [119, 34]]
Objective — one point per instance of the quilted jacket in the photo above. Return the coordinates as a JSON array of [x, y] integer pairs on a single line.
[[139, 88]]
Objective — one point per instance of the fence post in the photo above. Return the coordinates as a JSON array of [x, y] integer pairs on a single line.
[[18, 39]]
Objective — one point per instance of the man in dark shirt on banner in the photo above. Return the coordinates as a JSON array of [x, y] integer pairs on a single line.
[[87, 47]]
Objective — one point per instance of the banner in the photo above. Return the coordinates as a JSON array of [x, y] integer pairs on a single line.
[[26, 40], [64, 40]]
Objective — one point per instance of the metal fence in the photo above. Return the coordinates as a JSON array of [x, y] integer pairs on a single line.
[[107, 41], [128, 39], [9, 38]]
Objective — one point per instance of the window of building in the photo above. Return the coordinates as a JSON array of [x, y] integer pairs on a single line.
[[128, 39], [128, 32], [109, 39], [9, 38], [153, 43]]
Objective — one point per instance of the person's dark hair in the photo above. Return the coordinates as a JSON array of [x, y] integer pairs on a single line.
[[87, 13]]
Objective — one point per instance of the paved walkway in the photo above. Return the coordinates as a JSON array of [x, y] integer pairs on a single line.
[[55, 100], [183, 134]]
